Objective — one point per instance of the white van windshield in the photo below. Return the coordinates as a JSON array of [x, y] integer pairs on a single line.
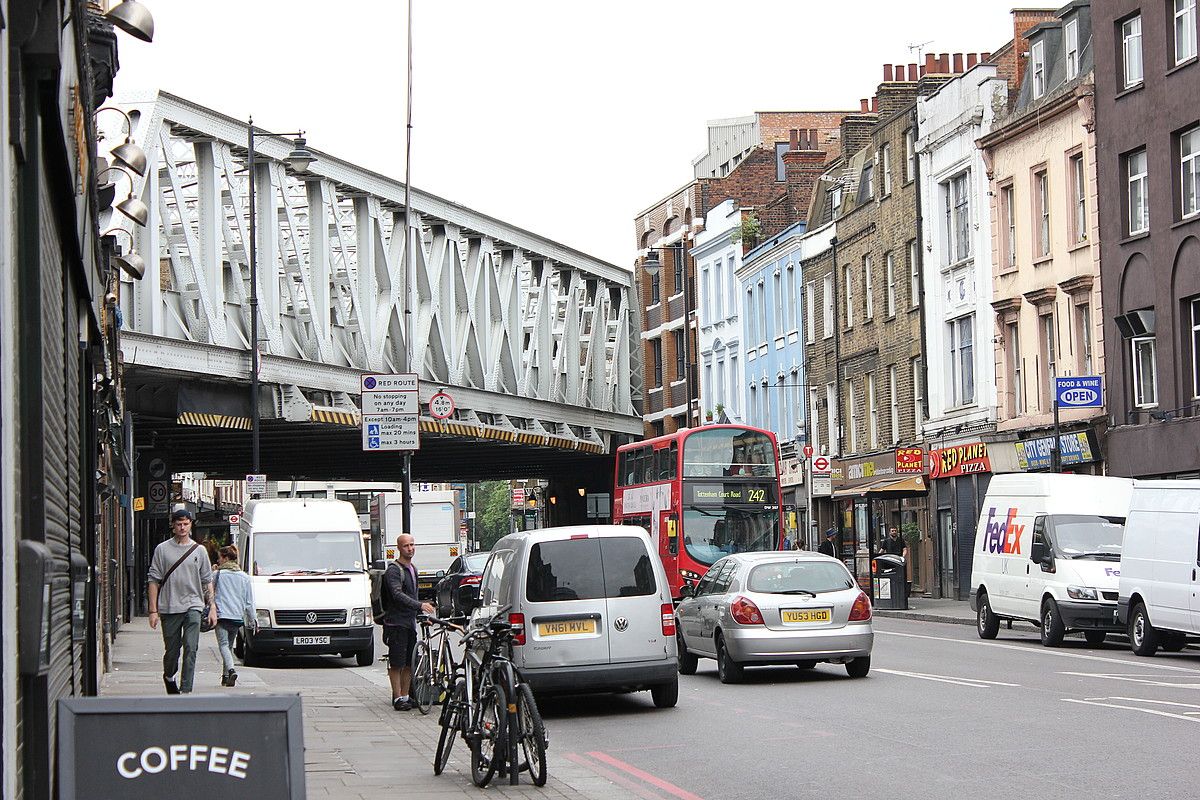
[[302, 553], [1087, 535]]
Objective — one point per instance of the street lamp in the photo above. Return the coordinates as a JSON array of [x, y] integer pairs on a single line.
[[299, 159]]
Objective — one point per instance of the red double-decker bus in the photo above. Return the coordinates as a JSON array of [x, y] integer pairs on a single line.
[[702, 493]]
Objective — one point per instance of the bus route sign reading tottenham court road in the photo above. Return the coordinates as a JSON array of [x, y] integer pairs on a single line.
[[390, 412]]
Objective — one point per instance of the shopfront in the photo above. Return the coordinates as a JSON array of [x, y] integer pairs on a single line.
[[959, 475]]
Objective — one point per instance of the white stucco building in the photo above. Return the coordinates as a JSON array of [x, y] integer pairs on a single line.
[[718, 313]]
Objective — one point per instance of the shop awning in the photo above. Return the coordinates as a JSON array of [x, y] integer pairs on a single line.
[[894, 486]]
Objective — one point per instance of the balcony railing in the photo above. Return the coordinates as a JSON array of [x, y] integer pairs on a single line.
[[1145, 416]]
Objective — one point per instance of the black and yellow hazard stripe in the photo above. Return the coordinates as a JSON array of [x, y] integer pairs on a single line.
[[505, 435], [213, 420], [334, 416]]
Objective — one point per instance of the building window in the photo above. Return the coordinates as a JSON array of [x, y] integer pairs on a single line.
[[1194, 308], [872, 415], [1008, 218], [780, 167], [868, 290], [731, 284], [893, 404], [1083, 324], [827, 318], [1145, 372], [718, 301], [1016, 372], [1037, 56], [832, 417], [762, 311], [680, 364], [813, 431], [708, 390], [778, 318], [961, 340], [1185, 30], [1189, 171], [1137, 192], [956, 227], [679, 263], [1071, 34], [849, 298], [752, 411], [885, 165], [1078, 177], [793, 300], [918, 395], [657, 357], [810, 312], [1131, 50], [891, 285], [914, 275], [655, 288], [910, 155], [751, 319], [868, 182], [852, 416], [1049, 358], [1041, 212], [706, 292]]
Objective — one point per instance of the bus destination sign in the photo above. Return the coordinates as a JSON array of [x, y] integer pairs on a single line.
[[719, 494]]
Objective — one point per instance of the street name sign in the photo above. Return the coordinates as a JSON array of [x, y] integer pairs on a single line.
[[1080, 391], [390, 418]]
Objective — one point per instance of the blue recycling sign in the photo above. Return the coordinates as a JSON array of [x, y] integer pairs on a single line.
[[1083, 391]]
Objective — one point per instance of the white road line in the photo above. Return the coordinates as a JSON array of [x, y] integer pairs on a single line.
[[1153, 711], [1133, 679], [1159, 702], [1045, 651], [974, 683]]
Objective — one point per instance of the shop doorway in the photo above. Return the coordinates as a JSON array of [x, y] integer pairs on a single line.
[[947, 557]]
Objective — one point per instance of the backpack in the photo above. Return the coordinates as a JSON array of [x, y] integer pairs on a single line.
[[378, 601]]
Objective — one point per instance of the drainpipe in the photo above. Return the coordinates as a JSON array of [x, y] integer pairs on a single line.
[[920, 282], [837, 347]]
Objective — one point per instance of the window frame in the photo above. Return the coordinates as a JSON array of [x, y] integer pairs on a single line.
[[1142, 181], [1181, 21], [1008, 241], [1129, 40], [1043, 241], [852, 416], [1016, 369], [1048, 353], [810, 308], [868, 293], [961, 365], [910, 154], [893, 404], [1189, 173], [890, 266], [680, 349], [1085, 355], [885, 166], [656, 356], [1139, 380], [1194, 305], [1071, 47], [872, 414], [849, 305], [914, 276], [829, 305], [1037, 68], [1077, 178]]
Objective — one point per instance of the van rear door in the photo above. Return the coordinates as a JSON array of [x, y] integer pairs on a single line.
[[634, 601], [566, 618]]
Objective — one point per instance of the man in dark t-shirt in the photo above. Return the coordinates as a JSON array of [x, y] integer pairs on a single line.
[[401, 606]]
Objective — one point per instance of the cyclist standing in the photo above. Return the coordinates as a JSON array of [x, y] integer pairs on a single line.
[[401, 607]]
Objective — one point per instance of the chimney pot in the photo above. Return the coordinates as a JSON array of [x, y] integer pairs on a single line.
[[958, 63], [985, 56], [972, 60], [901, 74], [862, 104], [944, 63], [887, 73], [794, 139], [913, 75], [930, 63], [813, 143], [874, 104]]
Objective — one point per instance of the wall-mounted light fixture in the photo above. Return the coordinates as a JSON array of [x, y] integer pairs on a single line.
[[133, 18], [127, 154], [131, 207], [130, 263]]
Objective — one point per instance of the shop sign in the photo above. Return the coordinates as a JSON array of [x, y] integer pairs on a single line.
[[790, 473], [961, 459], [863, 470], [910, 461], [1074, 448]]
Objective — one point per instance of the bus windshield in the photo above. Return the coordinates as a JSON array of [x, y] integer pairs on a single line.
[[712, 532], [723, 452], [304, 553]]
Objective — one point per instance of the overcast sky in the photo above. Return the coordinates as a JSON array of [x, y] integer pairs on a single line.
[[563, 117]]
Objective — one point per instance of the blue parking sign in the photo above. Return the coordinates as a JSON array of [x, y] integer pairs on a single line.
[[1083, 391], [373, 430]]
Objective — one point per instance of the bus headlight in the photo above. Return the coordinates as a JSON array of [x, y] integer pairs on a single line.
[[1082, 593], [358, 617], [262, 617]]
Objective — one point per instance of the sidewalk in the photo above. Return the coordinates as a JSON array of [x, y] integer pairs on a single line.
[[355, 745], [926, 609]]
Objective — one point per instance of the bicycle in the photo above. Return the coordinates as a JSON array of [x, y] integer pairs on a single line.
[[433, 670]]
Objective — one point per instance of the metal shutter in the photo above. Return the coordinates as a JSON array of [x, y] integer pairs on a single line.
[[965, 518]]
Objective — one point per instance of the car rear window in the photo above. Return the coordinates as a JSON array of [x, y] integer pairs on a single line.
[[589, 569], [798, 577]]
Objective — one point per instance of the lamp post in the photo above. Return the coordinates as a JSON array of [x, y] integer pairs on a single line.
[[299, 160]]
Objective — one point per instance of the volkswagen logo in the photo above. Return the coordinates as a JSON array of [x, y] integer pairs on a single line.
[[621, 624], [310, 617]]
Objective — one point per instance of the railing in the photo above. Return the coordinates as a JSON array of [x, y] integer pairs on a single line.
[[1144, 416]]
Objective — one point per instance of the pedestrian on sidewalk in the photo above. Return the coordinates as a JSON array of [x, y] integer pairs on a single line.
[[235, 607], [828, 547], [180, 590], [401, 605]]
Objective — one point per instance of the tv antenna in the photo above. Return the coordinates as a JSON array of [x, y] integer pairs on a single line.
[[919, 49]]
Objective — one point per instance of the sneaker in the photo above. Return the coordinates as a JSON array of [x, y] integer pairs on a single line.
[[172, 687], [231, 677], [402, 705]]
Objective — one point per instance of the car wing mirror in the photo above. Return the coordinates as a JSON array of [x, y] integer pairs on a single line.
[[687, 590]]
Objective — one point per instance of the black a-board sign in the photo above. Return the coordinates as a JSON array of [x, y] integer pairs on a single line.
[[196, 746]]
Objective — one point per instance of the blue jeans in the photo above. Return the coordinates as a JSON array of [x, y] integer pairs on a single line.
[[226, 631]]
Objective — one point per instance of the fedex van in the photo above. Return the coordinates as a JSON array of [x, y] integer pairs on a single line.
[[1160, 566], [1048, 551], [308, 569]]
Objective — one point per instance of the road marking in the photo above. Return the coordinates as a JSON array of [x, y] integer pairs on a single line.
[[975, 683], [1046, 651], [1153, 711], [614, 776], [653, 780], [1133, 679]]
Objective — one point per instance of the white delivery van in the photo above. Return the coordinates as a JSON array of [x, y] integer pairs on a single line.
[[1159, 596], [308, 569], [435, 528], [594, 609], [1048, 550]]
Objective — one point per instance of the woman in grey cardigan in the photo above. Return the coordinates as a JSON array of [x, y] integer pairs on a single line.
[[235, 607]]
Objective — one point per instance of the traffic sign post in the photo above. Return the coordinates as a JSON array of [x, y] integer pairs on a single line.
[[808, 451], [390, 419]]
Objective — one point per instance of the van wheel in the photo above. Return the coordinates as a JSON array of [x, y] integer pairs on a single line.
[[728, 670], [250, 658], [665, 695], [1174, 643], [1095, 638], [859, 667], [987, 624], [1143, 637], [1053, 629], [366, 657], [687, 661]]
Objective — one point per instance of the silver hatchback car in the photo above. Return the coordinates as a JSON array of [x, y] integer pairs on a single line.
[[775, 608]]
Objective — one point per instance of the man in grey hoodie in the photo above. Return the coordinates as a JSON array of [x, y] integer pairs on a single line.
[[180, 588]]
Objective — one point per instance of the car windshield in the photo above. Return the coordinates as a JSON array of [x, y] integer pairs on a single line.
[[305, 553], [1083, 535], [799, 577], [710, 532], [475, 562]]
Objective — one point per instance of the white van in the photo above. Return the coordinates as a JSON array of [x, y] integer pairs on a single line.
[[308, 568], [1160, 566], [594, 608], [1048, 550]]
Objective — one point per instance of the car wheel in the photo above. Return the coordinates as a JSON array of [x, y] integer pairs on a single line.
[[806, 664], [687, 661], [1174, 643], [1053, 630], [365, 657], [987, 624], [1095, 638], [728, 670], [859, 667], [1143, 637], [665, 695]]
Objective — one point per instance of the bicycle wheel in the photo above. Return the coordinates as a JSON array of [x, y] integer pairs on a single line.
[[422, 689], [450, 726], [443, 676], [532, 731], [488, 740]]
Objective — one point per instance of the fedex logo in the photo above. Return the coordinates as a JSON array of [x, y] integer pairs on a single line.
[[1003, 534], [1112, 573]]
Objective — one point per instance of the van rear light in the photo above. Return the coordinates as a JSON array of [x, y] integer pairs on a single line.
[[862, 608], [518, 623], [745, 612], [668, 619], [471, 580]]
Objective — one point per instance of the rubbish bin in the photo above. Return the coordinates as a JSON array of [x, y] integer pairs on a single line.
[[891, 582]]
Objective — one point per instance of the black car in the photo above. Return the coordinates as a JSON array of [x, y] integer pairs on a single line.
[[464, 571]]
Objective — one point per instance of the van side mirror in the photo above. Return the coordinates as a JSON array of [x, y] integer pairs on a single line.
[[1040, 554], [687, 590], [468, 597]]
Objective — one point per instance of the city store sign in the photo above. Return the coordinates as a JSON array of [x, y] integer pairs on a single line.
[[961, 459], [1074, 448]]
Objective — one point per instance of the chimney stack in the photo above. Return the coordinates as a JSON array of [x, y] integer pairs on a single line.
[[803, 165]]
